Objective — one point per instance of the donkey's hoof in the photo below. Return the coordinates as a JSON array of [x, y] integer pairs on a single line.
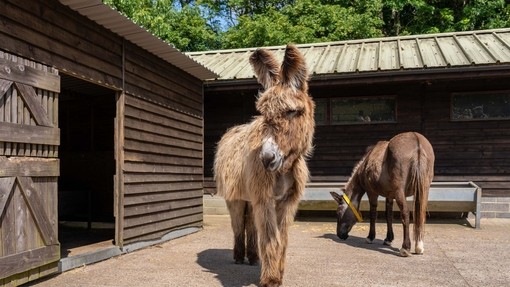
[[387, 242], [253, 261], [404, 252], [369, 241], [271, 283], [239, 261]]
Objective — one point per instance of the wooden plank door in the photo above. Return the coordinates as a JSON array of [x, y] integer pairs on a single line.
[[29, 168]]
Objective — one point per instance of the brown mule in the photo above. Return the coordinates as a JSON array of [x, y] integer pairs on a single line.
[[395, 169]]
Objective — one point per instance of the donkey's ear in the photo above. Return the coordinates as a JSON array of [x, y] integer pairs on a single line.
[[337, 197], [294, 73], [266, 67]]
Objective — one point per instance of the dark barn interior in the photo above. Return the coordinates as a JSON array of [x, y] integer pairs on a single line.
[[87, 164]]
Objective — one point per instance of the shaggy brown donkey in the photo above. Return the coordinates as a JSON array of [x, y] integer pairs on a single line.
[[260, 167]]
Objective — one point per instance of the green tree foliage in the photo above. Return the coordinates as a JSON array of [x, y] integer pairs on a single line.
[[181, 23], [408, 17], [306, 21], [195, 25]]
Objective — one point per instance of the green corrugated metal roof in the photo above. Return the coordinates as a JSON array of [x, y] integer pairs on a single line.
[[429, 51]]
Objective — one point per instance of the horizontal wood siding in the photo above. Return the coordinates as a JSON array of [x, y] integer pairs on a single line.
[[163, 135], [163, 170], [155, 80], [469, 150], [476, 151], [59, 37]]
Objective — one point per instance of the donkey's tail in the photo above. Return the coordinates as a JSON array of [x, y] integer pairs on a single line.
[[420, 183]]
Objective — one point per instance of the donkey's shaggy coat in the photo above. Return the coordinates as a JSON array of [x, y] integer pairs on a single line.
[[260, 167]]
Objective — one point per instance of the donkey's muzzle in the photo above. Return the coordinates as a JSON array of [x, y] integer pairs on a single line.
[[271, 161], [270, 155]]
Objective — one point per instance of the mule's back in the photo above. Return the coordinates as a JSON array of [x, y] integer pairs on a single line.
[[409, 153]]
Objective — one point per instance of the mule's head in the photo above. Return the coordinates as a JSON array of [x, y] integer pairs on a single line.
[[287, 111], [345, 216]]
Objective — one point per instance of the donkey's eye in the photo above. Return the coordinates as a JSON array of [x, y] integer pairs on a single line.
[[293, 113]]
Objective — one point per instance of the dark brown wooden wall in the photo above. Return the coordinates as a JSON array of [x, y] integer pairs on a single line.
[[52, 34], [162, 170], [478, 151], [164, 110]]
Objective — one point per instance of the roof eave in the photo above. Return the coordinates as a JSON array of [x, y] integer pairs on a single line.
[[414, 74], [117, 23], [318, 80]]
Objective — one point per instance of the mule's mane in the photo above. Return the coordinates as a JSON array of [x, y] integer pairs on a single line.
[[355, 175]]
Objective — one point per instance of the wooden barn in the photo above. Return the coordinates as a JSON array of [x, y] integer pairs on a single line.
[[101, 137], [454, 88]]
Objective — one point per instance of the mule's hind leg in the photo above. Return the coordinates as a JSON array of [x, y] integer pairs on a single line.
[[372, 198], [251, 237], [389, 222], [237, 210], [404, 210]]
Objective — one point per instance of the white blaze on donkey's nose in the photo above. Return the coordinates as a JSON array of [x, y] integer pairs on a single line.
[[270, 155]]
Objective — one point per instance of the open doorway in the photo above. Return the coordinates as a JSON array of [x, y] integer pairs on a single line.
[[87, 166]]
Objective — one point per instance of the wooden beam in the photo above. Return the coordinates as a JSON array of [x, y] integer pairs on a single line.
[[26, 166], [4, 86], [29, 76], [5, 191], [10, 132], [20, 262]]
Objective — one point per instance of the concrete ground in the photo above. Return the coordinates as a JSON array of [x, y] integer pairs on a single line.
[[455, 255]]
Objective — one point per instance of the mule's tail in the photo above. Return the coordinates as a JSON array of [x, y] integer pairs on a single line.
[[420, 183]]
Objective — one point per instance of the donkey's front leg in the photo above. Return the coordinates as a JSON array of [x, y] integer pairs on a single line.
[[372, 199], [269, 243], [286, 210], [389, 222], [251, 237], [237, 210]]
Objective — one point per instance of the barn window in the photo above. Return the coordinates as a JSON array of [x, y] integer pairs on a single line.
[[480, 106], [321, 111], [363, 110]]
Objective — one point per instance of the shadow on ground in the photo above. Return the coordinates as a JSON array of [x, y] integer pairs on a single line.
[[360, 242], [221, 263]]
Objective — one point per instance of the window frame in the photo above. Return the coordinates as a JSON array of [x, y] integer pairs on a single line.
[[329, 102], [480, 93]]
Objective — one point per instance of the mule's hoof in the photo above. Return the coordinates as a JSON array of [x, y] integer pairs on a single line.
[[369, 241], [405, 252], [419, 248], [387, 242], [254, 261]]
